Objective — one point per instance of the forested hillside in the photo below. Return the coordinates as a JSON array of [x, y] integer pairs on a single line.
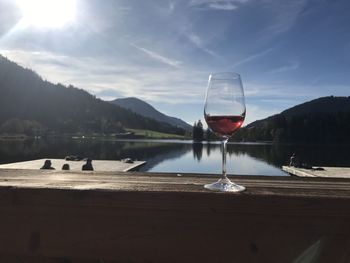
[[143, 108], [323, 120], [32, 105]]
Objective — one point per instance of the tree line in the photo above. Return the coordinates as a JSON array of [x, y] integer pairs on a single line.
[[323, 120], [306, 128]]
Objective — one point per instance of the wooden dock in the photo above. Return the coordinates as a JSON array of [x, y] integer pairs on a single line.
[[99, 165], [55, 216], [331, 172]]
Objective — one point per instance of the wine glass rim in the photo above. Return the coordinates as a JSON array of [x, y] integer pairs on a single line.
[[224, 75]]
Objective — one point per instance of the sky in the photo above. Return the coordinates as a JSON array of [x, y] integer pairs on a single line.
[[162, 51]]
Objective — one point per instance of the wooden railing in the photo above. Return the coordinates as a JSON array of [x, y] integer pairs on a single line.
[[55, 216]]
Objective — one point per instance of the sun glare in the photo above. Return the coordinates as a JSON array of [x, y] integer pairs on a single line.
[[47, 13]]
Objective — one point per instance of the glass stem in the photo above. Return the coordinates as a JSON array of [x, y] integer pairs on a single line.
[[224, 147]]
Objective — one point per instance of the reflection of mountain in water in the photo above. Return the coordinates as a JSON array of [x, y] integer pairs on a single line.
[[16, 151], [157, 152], [271, 154], [168, 152], [152, 152], [279, 154]]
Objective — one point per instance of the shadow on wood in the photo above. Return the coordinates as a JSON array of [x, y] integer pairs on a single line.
[[172, 220]]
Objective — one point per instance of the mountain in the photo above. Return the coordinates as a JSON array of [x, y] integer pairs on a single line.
[[143, 108], [326, 105], [29, 102], [323, 120]]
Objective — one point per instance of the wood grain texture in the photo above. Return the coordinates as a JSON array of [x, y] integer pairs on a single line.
[[53, 216], [332, 172]]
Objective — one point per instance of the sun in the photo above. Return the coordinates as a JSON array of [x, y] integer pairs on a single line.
[[47, 13]]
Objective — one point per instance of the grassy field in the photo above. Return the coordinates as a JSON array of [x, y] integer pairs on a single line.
[[135, 134], [155, 135]]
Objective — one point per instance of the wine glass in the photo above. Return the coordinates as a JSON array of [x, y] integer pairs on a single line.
[[224, 112]]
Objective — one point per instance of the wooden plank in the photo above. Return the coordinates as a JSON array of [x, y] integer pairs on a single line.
[[54, 216], [160, 182], [99, 165], [333, 172]]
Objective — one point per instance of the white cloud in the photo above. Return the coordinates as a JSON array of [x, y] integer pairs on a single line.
[[271, 90], [197, 41], [158, 57], [255, 112], [172, 6], [156, 84], [252, 57], [228, 6], [285, 15], [224, 5], [293, 65]]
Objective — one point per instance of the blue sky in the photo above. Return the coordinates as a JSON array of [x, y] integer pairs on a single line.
[[161, 51]]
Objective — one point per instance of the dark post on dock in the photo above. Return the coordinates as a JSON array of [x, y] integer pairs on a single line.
[[55, 216]]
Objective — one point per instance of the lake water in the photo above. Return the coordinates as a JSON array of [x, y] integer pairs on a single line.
[[180, 156]]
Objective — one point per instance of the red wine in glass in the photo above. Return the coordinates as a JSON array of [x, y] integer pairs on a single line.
[[224, 125], [224, 112]]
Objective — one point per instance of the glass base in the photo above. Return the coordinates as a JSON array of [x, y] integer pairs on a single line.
[[225, 185]]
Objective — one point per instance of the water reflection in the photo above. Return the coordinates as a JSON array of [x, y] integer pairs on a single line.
[[180, 156], [197, 149]]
